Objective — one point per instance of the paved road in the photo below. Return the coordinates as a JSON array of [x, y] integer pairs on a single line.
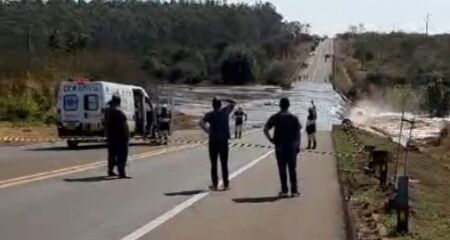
[[33, 159], [167, 197], [252, 210], [87, 206]]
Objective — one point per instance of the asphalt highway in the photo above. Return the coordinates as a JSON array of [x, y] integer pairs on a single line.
[[49, 192]]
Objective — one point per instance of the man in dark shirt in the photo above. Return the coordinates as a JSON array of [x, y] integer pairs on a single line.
[[286, 139], [311, 126], [216, 124], [117, 134], [164, 119], [311, 129], [239, 117], [150, 118]]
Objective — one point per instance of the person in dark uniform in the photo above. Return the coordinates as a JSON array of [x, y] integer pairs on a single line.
[[239, 118], [150, 118], [311, 129], [286, 139], [164, 119], [216, 125], [117, 134]]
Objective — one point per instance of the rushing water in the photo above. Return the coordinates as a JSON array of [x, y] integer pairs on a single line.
[[262, 101], [379, 119]]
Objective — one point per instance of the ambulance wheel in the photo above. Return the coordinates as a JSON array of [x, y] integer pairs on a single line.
[[72, 144]]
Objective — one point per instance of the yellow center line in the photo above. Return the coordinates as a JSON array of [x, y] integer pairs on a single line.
[[83, 167]]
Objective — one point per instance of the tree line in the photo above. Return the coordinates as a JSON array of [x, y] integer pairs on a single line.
[[139, 42], [396, 59], [187, 41]]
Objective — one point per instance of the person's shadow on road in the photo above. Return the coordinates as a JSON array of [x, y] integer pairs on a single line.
[[257, 199], [184, 193], [91, 179]]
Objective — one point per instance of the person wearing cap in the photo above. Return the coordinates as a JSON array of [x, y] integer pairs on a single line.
[[216, 125], [239, 117], [164, 119], [117, 134], [286, 138]]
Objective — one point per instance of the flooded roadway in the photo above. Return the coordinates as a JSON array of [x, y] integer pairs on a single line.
[[260, 101], [312, 83]]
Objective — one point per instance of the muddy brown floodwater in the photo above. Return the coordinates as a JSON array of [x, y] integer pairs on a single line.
[[379, 119], [262, 101]]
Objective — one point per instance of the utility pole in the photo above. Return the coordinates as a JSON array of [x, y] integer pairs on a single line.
[[427, 23]]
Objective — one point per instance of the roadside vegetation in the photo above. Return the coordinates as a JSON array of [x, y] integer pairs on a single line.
[[397, 66], [139, 42], [429, 189]]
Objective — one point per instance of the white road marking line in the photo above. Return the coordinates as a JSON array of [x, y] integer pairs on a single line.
[[189, 202]]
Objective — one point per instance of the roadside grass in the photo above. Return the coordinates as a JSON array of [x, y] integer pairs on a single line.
[[429, 188], [31, 130], [351, 171]]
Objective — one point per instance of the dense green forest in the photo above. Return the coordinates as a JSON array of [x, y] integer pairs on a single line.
[[143, 42], [417, 62]]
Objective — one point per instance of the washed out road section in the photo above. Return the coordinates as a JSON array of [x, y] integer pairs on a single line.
[[261, 101]]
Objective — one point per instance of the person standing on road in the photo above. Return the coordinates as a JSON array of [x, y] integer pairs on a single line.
[[239, 118], [149, 126], [216, 125], [286, 139], [164, 119], [311, 129], [311, 126], [117, 134], [313, 107]]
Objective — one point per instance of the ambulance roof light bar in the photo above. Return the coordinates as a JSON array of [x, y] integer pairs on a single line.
[[80, 80]]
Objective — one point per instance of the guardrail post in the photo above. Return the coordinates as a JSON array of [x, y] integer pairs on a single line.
[[380, 159], [369, 150], [402, 204], [384, 169]]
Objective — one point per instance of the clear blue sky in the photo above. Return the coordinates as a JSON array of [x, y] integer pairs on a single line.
[[331, 16]]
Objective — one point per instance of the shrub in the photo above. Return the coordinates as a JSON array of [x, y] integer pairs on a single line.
[[437, 99], [277, 73], [154, 67], [22, 108], [238, 68], [376, 79], [187, 72]]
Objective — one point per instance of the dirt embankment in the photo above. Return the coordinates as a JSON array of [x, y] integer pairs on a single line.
[[429, 172], [343, 81]]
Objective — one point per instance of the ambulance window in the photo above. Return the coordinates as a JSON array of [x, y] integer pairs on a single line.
[[91, 102], [71, 102]]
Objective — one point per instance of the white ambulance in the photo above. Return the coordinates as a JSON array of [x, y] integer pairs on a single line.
[[81, 104]]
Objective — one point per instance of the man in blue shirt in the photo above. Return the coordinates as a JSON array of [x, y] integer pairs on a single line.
[[286, 139], [216, 125]]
